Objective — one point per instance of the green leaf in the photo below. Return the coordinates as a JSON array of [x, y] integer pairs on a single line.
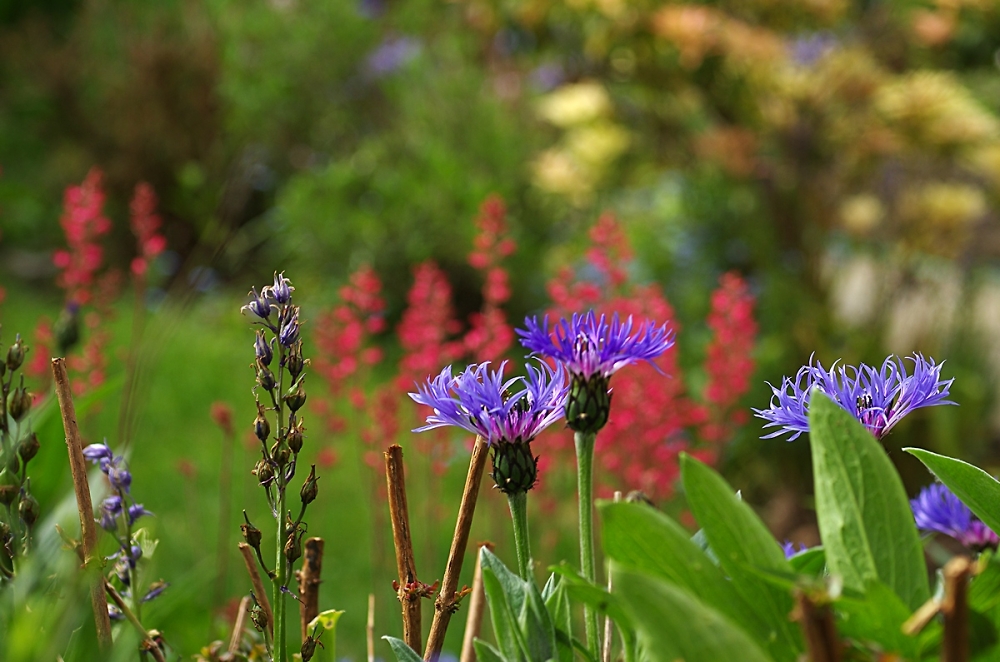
[[811, 562], [403, 652], [327, 620], [505, 626], [557, 603], [536, 624], [877, 617], [673, 625], [643, 538], [741, 541], [973, 486], [486, 652], [864, 515]]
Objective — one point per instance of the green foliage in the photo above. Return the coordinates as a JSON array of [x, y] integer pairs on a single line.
[[973, 486], [864, 515]]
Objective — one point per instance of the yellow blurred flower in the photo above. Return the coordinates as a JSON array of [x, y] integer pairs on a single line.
[[861, 214], [574, 104], [938, 216], [598, 144]]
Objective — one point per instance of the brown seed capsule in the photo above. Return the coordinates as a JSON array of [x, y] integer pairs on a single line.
[[261, 427], [295, 436], [29, 448], [20, 402], [296, 396], [9, 487], [28, 509], [263, 471], [309, 489], [250, 532]]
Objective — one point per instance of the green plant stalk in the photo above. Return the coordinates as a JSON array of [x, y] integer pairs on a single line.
[[585, 489], [518, 503], [280, 564]]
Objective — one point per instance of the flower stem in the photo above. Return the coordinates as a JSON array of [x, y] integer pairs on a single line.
[[518, 502], [279, 581], [585, 488]]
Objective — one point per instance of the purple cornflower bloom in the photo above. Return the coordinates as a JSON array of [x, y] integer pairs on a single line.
[[792, 548], [878, 397], [589, 346], [937, 508], [480, 401]]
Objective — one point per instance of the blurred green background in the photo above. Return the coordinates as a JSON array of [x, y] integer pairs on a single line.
[[844, 156]]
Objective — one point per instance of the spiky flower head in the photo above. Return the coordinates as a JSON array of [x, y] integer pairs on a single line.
[[591, 349], [937, 508], [878, 397], [481, 401]]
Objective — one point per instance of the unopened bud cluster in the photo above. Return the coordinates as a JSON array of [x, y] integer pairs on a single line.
[[18, 446]]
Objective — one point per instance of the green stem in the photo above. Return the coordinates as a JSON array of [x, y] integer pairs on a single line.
[[519, 515], [280, 564], [585, 487]]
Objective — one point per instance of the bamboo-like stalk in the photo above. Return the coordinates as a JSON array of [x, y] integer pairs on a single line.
[[258, 585], [309, 581], [446, 604], [818, 630], [88, 532], [241, 618], [955, 608], [477, 605], [402, 540]]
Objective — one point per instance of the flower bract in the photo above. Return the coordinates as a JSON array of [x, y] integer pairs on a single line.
[[878, 397]]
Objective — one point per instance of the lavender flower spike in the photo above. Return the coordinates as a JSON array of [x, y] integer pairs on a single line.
[[878, 397], [482, 402], [937, 508], [589, 346]]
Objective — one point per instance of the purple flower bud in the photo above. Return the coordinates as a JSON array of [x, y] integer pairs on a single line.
[[792, 548], [118, 474], [134, 555], [136, 511], [111, 507], [258, 304], [115, 614], [96, 453], [262, 348], [289, 332], [155, 589]]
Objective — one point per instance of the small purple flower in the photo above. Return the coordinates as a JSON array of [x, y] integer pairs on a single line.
[[792, 548], [391, 54], [878, 397], [282, 289], [135, 511], [289, 332], [588, 346], [118, 474], [99, 454], [115, 614], [937, 508], [480, 401], [155, 589], [111, 507], [258, 304], [262, 348]]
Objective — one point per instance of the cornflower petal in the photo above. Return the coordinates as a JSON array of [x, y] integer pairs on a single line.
[[878, 397], [587, 346], [937, 508], [482, 402]]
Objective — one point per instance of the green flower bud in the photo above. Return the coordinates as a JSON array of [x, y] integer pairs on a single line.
[[588, 403], [261, 427], [263, 471], [15, 354], [9, 487], [294, 362], [258, 617], [28, 509], [296, 396], [309, 489], [295, 436], [29, 448], [515, 469]]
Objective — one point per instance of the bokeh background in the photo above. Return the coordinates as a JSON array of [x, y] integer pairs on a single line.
[[841, 156]]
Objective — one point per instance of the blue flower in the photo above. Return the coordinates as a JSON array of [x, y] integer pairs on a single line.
[[481, 401], [792, 548], [282, 289], [259, 305], [878, 397], [588, 346], [937, 508], [289, 332], [99, 454]]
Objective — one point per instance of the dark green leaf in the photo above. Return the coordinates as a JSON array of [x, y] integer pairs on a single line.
[[877, 617], [811, 562], [486, 652], [976, 488], [505, 625], [673, 625], [403, 652], [864, 515], [741, 541]]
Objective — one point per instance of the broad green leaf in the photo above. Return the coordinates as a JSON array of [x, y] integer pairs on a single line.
[[976, 488], [403, 652], [486, 652], [864, 515], [504, 620], [877, 617], [328, 621], [643, 538], [811, 562], [558, 605], [536, 624], [741, 541], [673, 625]]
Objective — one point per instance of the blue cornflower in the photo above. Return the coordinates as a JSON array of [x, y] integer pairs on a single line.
[[591, 350], [508, 414], [792, 548], [589, 346], [481, 401], [937, 508], [878, 397]]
